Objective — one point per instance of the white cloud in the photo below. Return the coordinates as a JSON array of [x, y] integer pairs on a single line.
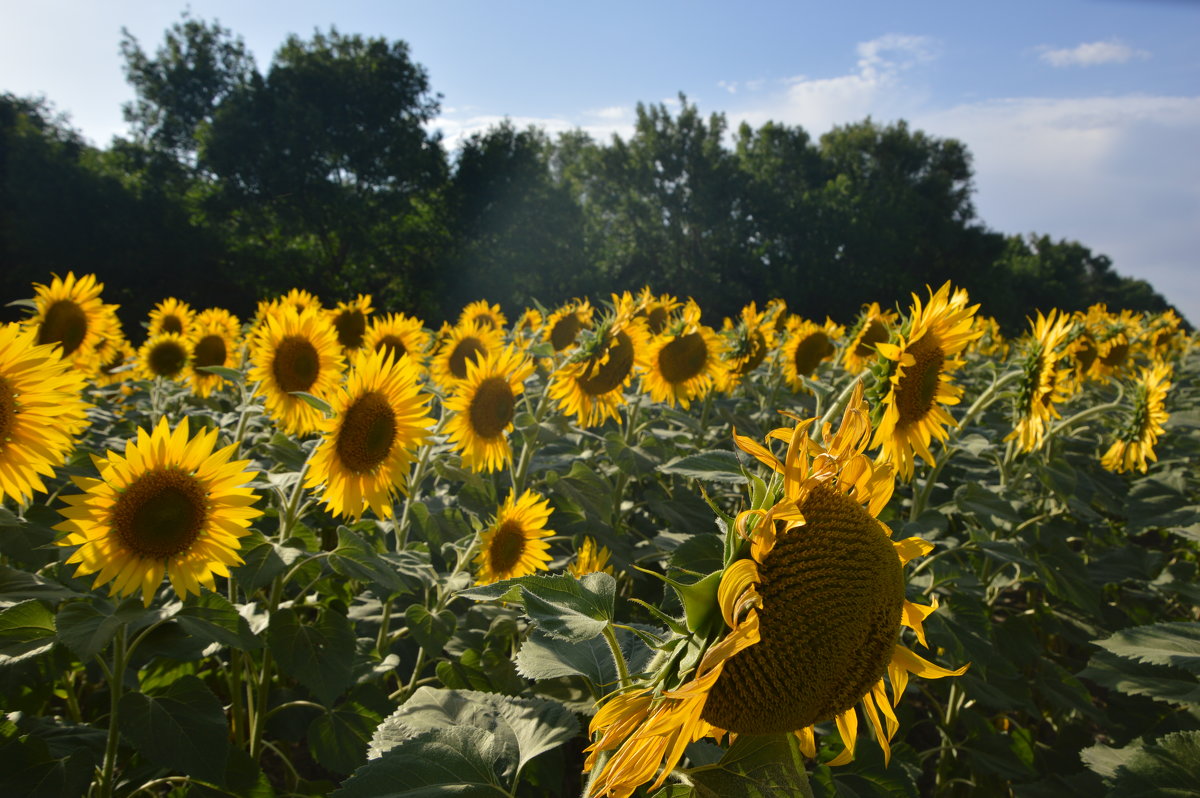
[[1091, 54], [730, 86]]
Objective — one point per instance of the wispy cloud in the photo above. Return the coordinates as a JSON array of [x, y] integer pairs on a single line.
[[1091, 54]]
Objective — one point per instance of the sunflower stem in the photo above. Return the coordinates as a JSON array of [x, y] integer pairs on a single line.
[[244, 416], [610, 637], [116, 679], [414, 487], [529, 443]]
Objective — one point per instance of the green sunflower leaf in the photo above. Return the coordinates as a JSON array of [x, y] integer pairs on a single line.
[[429, 630], [460, 761], [714, 465], [182, 728], [210, 616], [338, 738], [755, 766], [562, 606], [1168, 766], [319, 654], [233, 375], [1175, 644], [315, 402], [26, 630]]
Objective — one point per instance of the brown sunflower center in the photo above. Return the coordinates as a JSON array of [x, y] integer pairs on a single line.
[[367, 434], [114, 361], [1116, 356], [8, 410], [469, 348], [210, 351], [506, 547], [656, 319], [394, 345], [167, 358], [610, 375], [563, 333], [161, 513], [1086, 355], [66, 324], [918, 386], [831, 592], [810, 352], [484, 319], [756, 351], [492, 407], [683, 358], [876, 332], [296, 364], [350, 325], [171, 324]]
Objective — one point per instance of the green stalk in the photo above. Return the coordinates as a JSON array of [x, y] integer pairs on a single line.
[[610, 637], [116, 679]]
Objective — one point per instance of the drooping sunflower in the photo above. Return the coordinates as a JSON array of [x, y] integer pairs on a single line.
[[69, 313], [805, 347], [169, 504], [811, 606], [917, 381], [482, 314], [563, 326], [379, 418], [874, 325], [296, 352], [215, 342], [684, 362], [1044, 384], [462, 346], [171, 316], [747, 344], [41, 411], [482, 406], [350, 321], [514, 545], [398, 335], [165, 355], [1135, 440], [591, 384], [589, 559]]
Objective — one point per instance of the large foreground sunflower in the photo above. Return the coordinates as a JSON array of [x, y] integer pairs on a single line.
[[215, 335], [515, 544], [1136, 439], [169, 504], [684, 362], [1043, 384], [811, 604], [482, 407], [69, 313], [296, 352], [379, 418], [917, 382], [591, 384], [41, 411]]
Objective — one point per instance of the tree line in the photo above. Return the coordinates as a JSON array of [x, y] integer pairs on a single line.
[[322, 173]]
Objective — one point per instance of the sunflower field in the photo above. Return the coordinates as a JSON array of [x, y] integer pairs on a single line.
[[599, 550]]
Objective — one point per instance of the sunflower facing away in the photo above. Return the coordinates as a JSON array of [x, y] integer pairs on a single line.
[[215, 335], [684, 362], [589, 559], [350, 321], [461, 346], [169, 504], [514, 545], [379, 418], [41, 411], [747, 344], [482, 314], [165, 355], [917, 382], [482, 407], [171, 316], [874, 326], [806, 346], [296, 352], [1135, 441], [399, 335], [811, 606], [591, 384], [70, 314], [1044, 384]]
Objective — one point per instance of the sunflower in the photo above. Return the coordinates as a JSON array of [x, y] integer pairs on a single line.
[[299, 300], [1135, 441], [514, 545], [481, 314], [398, 335], [658, 311], [591, 384], [116, 357], [590, 559], [215, 335], [41, 411], [350, 321], [747, 344], [811, 605], [991, 342], [482, 407], [171, 316], [916, 381], [684, 362], [529, 323], [1116, 337], [563, 326], [296, 352], [462, 345], [170, 503], [1162, 337], [777, 314], [165, 355], [379, 418], [1044, 384], [806, 345], [874, 326], [69, 313]]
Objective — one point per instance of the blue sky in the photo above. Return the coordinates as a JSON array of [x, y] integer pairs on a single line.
[[1083, 116]]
